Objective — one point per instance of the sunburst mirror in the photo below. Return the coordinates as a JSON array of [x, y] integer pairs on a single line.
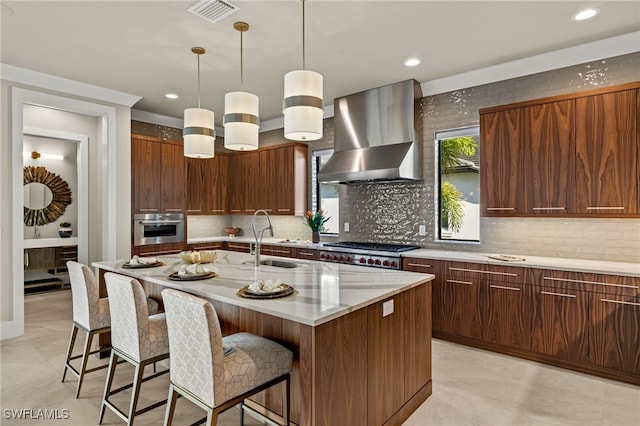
[[46, 196]]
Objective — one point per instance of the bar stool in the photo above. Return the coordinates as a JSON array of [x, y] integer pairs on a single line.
[[216, 372], [136, 337], [90, 314]]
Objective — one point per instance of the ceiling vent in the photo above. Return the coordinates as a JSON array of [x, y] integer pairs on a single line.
[[213, 10]]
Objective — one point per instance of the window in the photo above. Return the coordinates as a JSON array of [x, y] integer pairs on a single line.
[[325, 195], [458, 177]]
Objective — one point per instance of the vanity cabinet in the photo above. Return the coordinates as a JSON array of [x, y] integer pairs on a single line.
[[569, 155], [51, 259], [39, 258]]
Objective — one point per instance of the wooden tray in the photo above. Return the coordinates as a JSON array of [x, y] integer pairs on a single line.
[[127, 265], [248, 294], [176, 277]]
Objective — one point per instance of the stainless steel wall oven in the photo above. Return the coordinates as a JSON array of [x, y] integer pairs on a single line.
[[158, 228]]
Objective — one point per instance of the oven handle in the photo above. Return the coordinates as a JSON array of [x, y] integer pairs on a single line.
[[158, 222]]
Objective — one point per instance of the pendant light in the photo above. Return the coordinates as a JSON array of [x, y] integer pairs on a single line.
[[303, 101], [199, 125], [241, 121]]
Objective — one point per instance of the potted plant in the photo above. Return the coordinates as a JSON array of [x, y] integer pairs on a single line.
[[65, 230], [315, 221]]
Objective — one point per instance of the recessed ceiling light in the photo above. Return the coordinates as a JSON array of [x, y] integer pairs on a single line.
[[171, 96], [412, 62], [586, 14]]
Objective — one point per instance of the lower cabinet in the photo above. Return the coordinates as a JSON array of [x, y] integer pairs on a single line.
[[157, 249], [234, 246], [586, 322], [52, 259], [615, 325], [212, 245]]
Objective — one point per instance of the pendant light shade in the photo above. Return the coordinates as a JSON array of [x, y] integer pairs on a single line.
[[303, 101], [303, 105], [199, 133], [241, 113]]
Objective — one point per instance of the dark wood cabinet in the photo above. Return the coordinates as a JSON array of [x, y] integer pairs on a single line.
[[157, 249], [234, 246], [290, 180], [52, 259], [157, 175], [501, 177], [39, 258], [305, 253], [607, 154], [207, 185], [615, 337], [584, 321], [212, 245], [572, 155], [549, 158]]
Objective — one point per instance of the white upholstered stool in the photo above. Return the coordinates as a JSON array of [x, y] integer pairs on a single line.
[[90, 314], [216, 372], [136, 337]]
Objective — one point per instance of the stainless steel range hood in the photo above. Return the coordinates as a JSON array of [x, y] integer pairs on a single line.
[[375, 137]]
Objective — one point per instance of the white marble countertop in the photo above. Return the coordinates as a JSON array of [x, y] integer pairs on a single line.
[[50, 242], [323, 291], [564, 264], [250, 239]]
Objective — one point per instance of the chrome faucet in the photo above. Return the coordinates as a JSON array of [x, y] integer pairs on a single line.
[[36, 232], [258, 234]]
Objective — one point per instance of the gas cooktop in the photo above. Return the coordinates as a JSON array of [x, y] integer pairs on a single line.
[[378, 255]]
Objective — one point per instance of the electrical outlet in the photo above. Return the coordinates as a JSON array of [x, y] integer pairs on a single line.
[[422, 230], [346, 227]]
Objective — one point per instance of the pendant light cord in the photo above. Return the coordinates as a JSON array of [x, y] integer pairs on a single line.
[[303, 50], [241, 65], [198, 80]]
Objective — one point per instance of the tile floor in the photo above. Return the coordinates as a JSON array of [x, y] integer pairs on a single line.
[[470, 386]]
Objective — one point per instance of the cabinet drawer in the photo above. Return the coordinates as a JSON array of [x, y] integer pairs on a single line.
[[479, 271], [207, 246], [598, 283], [414, 264], [308, 254], [243, 247]]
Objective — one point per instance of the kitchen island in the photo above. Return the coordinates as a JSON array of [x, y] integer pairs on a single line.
[[361, 337]]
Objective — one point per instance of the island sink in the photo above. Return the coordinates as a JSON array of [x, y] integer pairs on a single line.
[[277, 263]]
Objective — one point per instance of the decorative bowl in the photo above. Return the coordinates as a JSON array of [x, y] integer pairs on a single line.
[[231, 231], [204, 256]]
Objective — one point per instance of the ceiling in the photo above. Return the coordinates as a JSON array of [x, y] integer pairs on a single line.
[[144, 47]]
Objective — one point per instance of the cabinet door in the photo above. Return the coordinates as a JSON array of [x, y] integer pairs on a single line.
[[607, 154], [219, 185], [285, 179], [198, 195], [615, 325], [560, 322], [549, 158], [39, 258], [305, 253], [266, 184], [172, 177], [146, 167], [237, 177], [457, 305], [502, 191], [507, 313]]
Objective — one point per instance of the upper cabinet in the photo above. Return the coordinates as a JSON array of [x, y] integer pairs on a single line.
[[157, 175], [207, 185], [273, 179], [571, 155], [607, 154]]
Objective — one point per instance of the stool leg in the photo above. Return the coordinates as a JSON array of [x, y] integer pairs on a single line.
[[85, 359], [171, 405], [72, 342], [135, 392], [242, 414], [212, 417], [286, 406], [113, 363]]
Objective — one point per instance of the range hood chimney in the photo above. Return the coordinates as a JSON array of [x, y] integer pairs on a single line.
[[374, 136]]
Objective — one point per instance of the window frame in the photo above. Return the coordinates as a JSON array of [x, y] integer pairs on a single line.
[[315, 182]]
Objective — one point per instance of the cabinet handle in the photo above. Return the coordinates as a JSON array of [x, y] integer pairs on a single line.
[[550, 293], [236, 210], [304, 253], [548, 208], [588, 282], [418, 265], [26, 259], [217, 210], [148, 210], [193, 211], [238, 247], [620, 302], [284, 210], [507, 274], [604, 208], [459, 282], [173, 210], [500, 208], [504, 288], [285, 252]]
